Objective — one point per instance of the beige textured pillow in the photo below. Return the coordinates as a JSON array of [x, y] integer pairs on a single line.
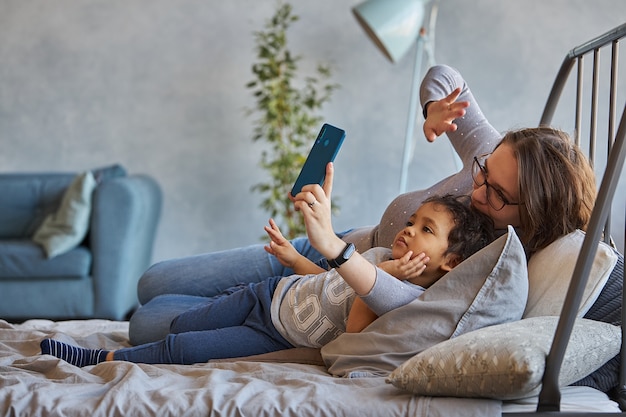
[[550, 272], [506, 361]]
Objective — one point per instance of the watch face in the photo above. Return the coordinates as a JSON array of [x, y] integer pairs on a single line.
[[343, 257], [348, 252]]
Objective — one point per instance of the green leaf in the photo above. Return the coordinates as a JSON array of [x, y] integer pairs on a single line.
[[286, 115]]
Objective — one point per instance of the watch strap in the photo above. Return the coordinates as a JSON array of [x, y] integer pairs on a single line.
[[343, 257]]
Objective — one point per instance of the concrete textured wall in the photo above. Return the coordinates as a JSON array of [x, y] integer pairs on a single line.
[[159, 86]]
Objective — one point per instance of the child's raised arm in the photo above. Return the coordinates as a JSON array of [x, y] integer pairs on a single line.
[[286, 254]]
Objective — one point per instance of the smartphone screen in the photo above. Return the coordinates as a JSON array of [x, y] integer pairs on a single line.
[[324, 150]]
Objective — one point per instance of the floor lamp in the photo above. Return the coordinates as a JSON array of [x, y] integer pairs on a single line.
[[395, 26]]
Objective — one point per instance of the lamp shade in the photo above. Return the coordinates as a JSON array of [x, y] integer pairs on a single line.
[[393, 25]]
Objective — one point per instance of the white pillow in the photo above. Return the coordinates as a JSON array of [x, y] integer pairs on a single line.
[[550, 272], [506, 361]]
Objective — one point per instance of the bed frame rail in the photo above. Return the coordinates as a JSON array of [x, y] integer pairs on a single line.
[[599, 226]]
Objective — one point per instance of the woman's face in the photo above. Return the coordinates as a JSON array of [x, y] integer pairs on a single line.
[[501, 174]]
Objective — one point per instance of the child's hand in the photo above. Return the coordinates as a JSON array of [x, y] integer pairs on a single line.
[[286, 254], [441, 115], [406, 268], [280, 247]]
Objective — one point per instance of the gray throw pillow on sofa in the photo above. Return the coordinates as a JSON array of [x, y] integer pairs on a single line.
[[490, 287], [64, 229]]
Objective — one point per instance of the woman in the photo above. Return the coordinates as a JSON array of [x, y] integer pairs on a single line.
[[531, 178]]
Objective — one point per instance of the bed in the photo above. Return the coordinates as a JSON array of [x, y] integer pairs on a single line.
[[34, 385], [559, 357]]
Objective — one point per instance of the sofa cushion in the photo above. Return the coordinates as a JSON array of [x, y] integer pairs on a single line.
[[108, 172], [27, 199], [68, 225], [24, 259]]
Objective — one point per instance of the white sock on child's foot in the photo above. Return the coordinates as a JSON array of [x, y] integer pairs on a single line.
[[75, 355]]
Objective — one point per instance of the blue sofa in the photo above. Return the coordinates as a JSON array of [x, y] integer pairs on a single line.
[[98, 277]]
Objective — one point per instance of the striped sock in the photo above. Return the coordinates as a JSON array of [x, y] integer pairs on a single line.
[[77, 356]]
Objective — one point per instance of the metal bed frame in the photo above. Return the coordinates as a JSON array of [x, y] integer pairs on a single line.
[[550, 396]]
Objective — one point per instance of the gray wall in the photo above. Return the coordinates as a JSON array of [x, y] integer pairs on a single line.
[[159, 86]]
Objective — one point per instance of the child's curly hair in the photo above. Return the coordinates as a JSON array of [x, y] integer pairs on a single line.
[[472, 229]]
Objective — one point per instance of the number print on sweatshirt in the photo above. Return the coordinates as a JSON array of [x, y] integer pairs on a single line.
[[311, 319]]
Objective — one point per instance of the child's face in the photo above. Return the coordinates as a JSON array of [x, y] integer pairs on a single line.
[[426, 231]]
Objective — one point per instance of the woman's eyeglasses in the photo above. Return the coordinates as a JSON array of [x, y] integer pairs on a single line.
[[495, 197]]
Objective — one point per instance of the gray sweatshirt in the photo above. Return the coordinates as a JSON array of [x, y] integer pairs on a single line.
[[474, 136], [311, 310]]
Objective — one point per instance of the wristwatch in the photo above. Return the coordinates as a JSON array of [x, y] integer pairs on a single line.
[[345, 254]]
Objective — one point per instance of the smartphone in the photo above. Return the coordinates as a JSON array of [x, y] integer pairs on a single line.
[[324, 150]]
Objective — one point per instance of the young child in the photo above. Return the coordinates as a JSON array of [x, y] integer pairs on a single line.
[[309, 309]]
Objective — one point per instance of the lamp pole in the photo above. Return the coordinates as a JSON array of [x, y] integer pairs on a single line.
[[395, 26], [410, 126], [420, 49]]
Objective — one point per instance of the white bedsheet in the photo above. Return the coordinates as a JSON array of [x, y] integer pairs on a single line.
[[35, 384], [573, 399]]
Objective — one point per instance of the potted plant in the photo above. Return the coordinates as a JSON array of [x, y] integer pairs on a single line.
[[287, 115]]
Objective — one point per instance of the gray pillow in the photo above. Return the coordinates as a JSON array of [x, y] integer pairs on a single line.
[[64, 229], [490, 287], [506, 361]]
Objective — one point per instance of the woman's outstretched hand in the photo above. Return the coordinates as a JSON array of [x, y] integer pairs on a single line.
[[441, 115]]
